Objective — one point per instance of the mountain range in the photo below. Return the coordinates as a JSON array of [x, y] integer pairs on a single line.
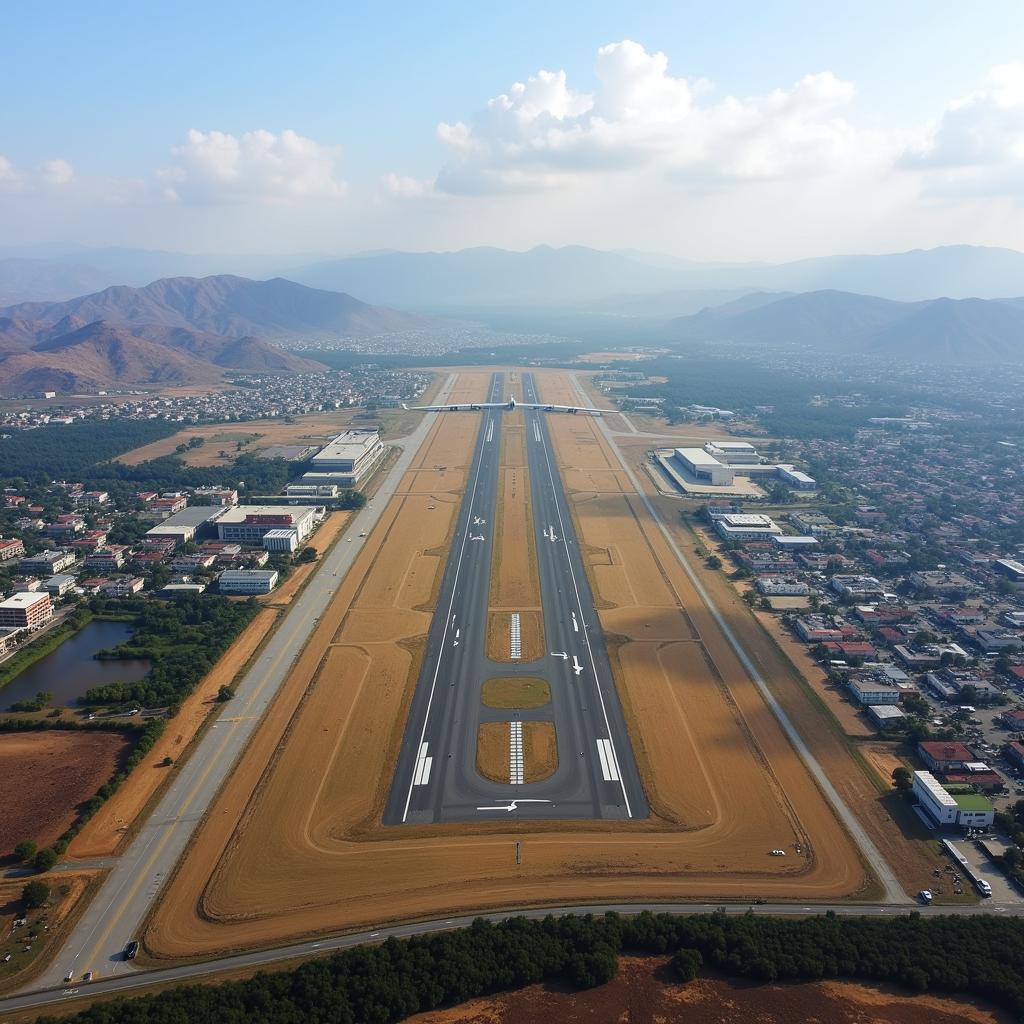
[[572, 276], [178, 330], [963, 331]]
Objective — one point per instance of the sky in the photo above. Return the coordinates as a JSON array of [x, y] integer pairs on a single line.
[[725, 131]]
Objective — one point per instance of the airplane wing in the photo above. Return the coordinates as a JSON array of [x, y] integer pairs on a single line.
[[544, 407], [461, 407]]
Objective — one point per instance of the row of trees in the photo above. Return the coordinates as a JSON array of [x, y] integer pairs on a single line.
[[980, 956], [183, 639]]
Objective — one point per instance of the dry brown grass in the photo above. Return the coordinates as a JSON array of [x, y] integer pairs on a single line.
[[540, 751], [492, 751], [531, 635], [294, 844], [515, 692]]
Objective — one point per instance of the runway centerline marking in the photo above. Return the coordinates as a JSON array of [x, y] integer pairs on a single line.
[[448, 620]]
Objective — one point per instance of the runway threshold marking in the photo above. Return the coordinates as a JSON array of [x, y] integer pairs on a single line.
[[515, 641], [515, 753], [513, 805], [421, 776], [609, 769]]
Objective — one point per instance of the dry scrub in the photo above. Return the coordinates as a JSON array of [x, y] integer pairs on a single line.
[[540, 751], [492, 751]]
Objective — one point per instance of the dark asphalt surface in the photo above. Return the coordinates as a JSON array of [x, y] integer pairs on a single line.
[[436, 778]]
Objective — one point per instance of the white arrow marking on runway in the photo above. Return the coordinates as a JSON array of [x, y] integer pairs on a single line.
[[478, 537], [512, 805], [545, 532], [560, 654], [477, 521], [552, 536], [575, 624], [576, 666]]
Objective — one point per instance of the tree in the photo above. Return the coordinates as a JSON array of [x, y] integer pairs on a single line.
[[713, 562], [686, 963], [45, 859], [308, 554], [35, 895], [25, 850], [901, 778], [225, 693]]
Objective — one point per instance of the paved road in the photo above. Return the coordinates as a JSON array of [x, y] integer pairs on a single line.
[[435, 776], [894, 892], [118, 909], [268, 958]]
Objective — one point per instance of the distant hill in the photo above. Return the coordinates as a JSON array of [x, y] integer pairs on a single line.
[[637, 283], [488, 277], [70, 356], [227, 305], [46, 280], [964, 331]]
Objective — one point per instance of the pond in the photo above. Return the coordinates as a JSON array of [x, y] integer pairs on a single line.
[[71, 669]]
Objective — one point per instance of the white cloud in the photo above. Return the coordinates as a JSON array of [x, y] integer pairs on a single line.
[[407, 188], [543, 134], [217, 167], [977, 146], [57, 172]]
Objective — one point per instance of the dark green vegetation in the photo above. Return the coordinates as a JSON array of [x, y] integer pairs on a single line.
[[182, 639], [35, 895], [979, 956], [70, 450]]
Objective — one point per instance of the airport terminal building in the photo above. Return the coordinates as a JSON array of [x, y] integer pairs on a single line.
[[346, 461]]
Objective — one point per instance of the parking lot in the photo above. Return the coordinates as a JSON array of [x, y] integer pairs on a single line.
[[1002, 890]]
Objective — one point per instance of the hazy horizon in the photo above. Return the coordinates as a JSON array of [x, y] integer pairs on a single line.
[[246, 128]]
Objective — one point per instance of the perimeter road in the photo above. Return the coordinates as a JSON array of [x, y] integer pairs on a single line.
[[266, 958], [116, 913], [894, 892]]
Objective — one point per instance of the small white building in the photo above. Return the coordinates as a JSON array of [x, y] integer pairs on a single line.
[[782, 586], [870, 691], [247, 581], [286, 541]]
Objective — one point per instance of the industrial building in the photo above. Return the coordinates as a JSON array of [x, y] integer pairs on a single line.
[[247, 581], [718, 464], [347, 460], [869, 692], [249, 524], [186, 525], [26, 610], [968, 810], [704, 467], [311, 490], [782, 586]]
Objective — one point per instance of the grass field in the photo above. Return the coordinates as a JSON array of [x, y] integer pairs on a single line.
[[520, 692]]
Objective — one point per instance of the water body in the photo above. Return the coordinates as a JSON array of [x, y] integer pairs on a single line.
[[71, 669]]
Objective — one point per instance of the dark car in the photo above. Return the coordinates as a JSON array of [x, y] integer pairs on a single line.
[[131, 950]]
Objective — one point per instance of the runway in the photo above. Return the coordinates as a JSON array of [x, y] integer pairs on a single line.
[[436, 778]]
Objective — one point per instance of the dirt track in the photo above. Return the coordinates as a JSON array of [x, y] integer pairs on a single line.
[[294, 843]]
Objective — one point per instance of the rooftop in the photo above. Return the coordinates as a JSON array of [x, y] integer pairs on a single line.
[[972, 802], [25, 599], [349, 445]]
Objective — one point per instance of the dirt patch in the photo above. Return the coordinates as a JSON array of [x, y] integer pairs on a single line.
[[531, 635], [540, 751], [884, 759], [107, 829], [324, 538], [645, 991], [47, 776], [515, 692], [492, 751]]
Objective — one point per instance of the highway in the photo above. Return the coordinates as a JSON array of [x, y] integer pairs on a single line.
[[127, 984], [119, 908], [435, 777]]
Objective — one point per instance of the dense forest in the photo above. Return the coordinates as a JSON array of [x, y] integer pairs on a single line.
[[66, 451], [183, 639], [971, 955]]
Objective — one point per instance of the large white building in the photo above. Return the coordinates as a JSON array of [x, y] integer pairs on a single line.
[[746, 526], [704, 467], [968, 810], [732, 453], [26, 610], [249, 524], [346, 460]]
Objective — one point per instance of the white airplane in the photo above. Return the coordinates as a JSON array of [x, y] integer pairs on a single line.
[[510, 405]]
